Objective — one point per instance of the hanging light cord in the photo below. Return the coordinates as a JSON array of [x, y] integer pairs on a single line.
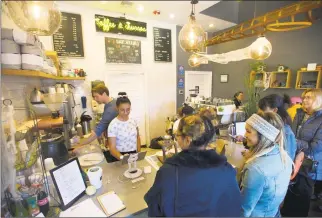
[[193, 6]]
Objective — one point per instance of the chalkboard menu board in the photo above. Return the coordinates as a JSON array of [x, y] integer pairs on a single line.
[[162, 45], [68, 40], [122, 51]]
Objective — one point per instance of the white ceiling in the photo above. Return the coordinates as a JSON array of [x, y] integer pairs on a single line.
[[180, 9]]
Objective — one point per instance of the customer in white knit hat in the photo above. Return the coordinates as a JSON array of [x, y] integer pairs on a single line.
[[266, 174]]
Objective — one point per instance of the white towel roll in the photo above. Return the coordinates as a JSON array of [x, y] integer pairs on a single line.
[[47, 67], [32, 62], [9, 47], [6, 33], [32, 49], [23, 38], [11, 61]]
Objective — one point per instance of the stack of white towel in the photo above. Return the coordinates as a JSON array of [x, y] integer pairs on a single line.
[[21, 50]]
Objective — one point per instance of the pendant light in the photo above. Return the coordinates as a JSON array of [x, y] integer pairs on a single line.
[[260, 49], [42, 18], [192, 36], [194, 60]]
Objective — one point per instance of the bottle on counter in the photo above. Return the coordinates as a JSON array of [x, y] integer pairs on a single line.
[[79, 130], [20, 210], [33, 207], [43, 202]]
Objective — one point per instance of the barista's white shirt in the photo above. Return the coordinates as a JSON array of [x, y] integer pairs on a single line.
[[125, 133]]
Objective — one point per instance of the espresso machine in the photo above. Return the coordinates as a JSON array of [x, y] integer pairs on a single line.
[[56, 141]]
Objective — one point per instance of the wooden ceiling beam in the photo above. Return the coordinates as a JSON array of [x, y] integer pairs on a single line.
[[239, 31]]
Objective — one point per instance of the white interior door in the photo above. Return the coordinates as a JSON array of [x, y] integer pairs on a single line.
[[133, 85], [203, 79]]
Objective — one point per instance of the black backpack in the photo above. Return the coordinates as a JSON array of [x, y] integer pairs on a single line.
[[155, 143]]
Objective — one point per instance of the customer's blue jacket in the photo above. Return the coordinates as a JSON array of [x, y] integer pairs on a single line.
[[206, 187], [309, 138], [264, 184], [290, 142]]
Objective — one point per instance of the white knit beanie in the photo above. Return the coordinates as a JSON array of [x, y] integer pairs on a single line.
[[263, 127]]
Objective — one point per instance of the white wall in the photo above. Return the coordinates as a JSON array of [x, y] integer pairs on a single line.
[[160, 78]]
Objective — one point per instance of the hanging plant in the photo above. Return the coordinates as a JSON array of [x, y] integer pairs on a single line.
[[258, 66]]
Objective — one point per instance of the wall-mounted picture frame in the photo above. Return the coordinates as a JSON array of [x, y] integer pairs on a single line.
[[224, 78]]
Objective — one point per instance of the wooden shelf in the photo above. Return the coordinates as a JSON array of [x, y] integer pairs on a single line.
[[39, 74], [253, 78], [300, 74], [274, 75]]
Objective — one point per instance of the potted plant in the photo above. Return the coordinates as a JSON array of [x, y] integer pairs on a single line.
[[281, 68], [253, 97], [258, 66]]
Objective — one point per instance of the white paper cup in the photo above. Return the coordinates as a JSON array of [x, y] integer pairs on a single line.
[[95, 176]]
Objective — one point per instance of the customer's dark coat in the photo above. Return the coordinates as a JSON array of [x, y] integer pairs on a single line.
[[310, 137], [206, 186]]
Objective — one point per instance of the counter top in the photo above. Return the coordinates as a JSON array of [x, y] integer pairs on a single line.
[[131, 195]]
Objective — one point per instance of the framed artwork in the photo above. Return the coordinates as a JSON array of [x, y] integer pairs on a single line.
[[224, 78]]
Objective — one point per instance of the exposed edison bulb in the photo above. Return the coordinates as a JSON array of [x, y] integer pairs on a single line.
[[194, 60], [38, 17], [260, 49], [36, 11], [191, 36]]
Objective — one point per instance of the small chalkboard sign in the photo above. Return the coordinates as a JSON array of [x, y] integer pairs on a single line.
[[122, 50], [162, 45], [68, 40]]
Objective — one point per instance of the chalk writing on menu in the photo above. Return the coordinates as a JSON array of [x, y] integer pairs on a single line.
[[68, 40], [69, 181], [122, 51], [162, 45]]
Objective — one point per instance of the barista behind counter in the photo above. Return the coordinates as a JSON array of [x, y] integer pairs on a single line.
[[101, 96], [123, 131], [238, 98]]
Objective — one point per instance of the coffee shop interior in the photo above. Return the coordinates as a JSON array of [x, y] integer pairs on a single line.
[[161, 108]]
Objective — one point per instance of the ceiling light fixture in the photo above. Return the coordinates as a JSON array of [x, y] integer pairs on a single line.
[[42, 18], [211, 25], [140, 8], [171, 16], [194, 60], [260, 49], [192, 36]]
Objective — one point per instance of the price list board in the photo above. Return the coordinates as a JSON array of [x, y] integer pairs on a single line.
[[162, 45], [122, 51], [68, 40]]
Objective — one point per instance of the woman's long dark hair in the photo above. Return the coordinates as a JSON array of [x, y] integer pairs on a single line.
[[276, 101]]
